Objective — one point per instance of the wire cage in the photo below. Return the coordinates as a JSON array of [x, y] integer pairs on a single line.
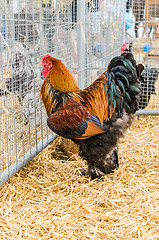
[[85, 35]]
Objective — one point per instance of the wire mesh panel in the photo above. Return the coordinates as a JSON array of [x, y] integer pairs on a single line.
[[85, 35], [24, 39], [142, 34], [103, 28]]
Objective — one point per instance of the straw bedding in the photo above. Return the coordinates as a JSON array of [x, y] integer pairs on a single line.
[[49, 199]]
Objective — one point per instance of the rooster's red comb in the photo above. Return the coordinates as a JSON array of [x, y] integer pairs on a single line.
[[124, 47], [46, 56]]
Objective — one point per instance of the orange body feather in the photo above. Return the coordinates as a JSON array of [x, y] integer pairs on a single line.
[[96, 99]]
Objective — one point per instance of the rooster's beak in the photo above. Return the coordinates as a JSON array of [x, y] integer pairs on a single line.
[[40, 63]]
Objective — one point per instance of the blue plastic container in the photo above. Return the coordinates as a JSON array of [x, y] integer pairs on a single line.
[[147, 48]]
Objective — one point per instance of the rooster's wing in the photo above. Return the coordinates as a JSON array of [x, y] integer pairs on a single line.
[[73, 120]]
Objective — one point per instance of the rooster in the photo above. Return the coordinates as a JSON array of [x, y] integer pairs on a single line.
[[96, 117]]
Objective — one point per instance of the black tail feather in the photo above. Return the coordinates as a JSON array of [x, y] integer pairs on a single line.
[[127, 75]]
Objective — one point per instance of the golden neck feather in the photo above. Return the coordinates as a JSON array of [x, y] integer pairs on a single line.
[[61, 78]]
